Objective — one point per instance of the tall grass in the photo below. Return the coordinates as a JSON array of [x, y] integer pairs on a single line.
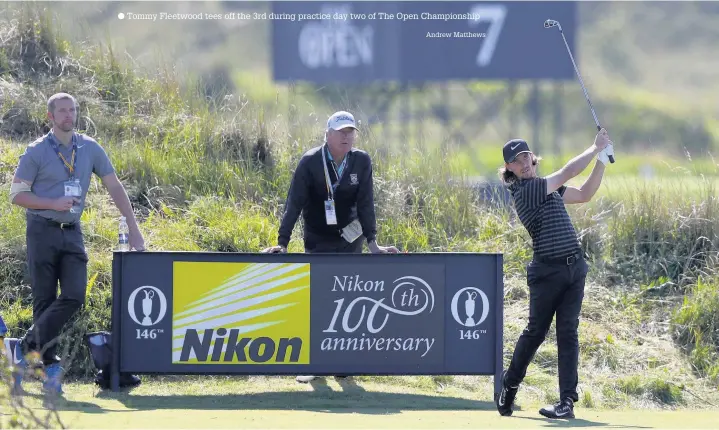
[[212, 175], [696, 326]]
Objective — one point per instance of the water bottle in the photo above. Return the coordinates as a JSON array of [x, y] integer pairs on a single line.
[[124, 235]]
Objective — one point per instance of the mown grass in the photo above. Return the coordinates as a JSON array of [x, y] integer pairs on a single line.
[[212, 175], [279, 402]]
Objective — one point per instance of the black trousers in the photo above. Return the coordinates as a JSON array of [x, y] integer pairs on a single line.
[[553, 289], [55, 254], [318, 244]]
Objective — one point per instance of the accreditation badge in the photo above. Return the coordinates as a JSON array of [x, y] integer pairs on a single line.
[[330, 213], [352, 231], [73, 188]]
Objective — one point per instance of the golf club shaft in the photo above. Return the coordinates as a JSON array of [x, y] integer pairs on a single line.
[[586, 95]]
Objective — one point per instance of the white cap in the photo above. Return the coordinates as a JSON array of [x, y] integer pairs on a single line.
[[340, 120]]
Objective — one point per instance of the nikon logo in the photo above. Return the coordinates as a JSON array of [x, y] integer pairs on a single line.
[[240, 313], [219, 347]]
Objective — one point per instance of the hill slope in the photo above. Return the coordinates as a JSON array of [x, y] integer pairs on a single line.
[[649, 67]]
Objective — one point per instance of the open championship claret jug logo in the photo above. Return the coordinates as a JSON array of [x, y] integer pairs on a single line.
[[153, 305], [469, 305]]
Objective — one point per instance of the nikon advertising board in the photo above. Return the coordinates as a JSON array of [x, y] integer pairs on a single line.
[[216, 313]]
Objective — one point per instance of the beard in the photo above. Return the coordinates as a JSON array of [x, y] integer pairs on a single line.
[[65, 126]]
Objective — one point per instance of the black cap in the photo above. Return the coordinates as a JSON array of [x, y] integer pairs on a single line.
[[513, 148]]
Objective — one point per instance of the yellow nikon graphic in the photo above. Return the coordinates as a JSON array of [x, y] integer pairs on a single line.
[[241, 313]]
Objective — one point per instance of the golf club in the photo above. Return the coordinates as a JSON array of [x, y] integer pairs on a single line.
[[552, 23]]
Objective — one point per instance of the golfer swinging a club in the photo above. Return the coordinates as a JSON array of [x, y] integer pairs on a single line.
[[558, 270]]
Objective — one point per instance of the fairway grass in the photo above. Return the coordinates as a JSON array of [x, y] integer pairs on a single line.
[[279, 402]]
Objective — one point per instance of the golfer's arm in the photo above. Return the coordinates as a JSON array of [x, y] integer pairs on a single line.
[[591, 185], [585, 193], [574, 167]]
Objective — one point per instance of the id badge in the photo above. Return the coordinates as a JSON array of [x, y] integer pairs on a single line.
[[73, 188], [352, 231], [330, 213]]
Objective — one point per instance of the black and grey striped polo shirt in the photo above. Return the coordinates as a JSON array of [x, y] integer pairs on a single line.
[[545, 218]]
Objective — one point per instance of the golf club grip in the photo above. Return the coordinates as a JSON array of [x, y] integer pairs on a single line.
[[611, 157]]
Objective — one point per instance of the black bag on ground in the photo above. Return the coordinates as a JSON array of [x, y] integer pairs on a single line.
[[100, 345]]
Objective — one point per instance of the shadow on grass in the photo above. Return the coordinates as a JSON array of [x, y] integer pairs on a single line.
[[579, 422], [351, 398], [61, 403]]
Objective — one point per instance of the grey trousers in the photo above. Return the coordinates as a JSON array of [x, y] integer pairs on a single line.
[[55, 254]]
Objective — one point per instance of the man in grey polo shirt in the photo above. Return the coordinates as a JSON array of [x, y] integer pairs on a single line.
[[557, 272], [51, 182]]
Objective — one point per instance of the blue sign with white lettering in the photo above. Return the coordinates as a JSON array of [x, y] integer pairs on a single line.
[[421, 41], [311, 314]]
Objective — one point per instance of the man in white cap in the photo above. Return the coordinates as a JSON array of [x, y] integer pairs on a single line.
[[332, 188]]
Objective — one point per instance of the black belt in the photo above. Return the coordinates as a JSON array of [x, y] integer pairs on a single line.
[[566, 260], [62, 225]]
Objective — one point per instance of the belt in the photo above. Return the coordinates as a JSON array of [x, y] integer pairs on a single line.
[[566, 260], [62, 225]]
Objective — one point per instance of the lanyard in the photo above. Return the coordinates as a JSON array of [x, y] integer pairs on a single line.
[[69, 166], [341, 168], [330, 187]]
